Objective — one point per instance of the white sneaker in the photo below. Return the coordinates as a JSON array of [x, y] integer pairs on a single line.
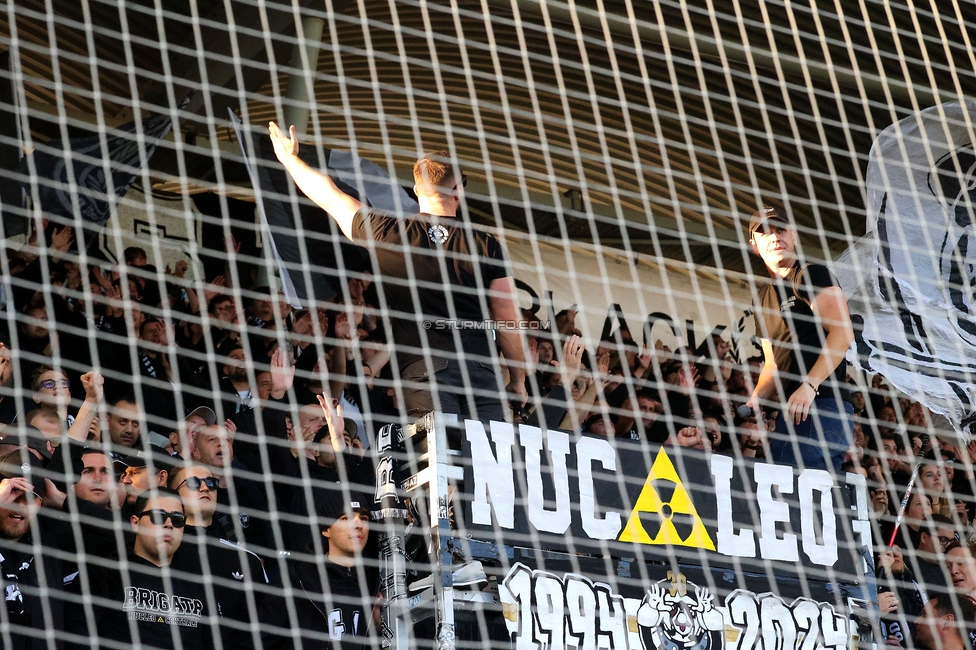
[[466, 575]]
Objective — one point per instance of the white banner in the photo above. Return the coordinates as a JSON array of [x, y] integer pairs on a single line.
[[910, 279]]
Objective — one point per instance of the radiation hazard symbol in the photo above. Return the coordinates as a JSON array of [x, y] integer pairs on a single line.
[[664, 513]]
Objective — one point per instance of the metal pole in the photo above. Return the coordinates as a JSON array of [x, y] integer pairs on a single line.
[[441, 529], [300, 95]]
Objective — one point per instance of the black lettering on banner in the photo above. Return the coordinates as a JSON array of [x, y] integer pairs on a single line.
[[803, 625], [615, 313], [652, 320], [544, 610]]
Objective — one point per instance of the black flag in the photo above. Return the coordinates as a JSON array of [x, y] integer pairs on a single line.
[[89, 154], [308, 233]]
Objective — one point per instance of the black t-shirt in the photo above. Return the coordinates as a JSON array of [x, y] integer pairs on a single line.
[[932, 578], [785, 318], [448, 262], [141, 595], [22, 577]]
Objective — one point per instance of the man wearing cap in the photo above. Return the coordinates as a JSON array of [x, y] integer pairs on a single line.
[[145, 470], [805, 326], [342, 609], [20, 573], [197, 419], [445, 276]]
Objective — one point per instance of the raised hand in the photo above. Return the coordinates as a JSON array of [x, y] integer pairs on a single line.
[[343, 329], [688, 437], [61, 239], [643, 362], [215, 287], [93, 383], [603, 365], [282, 374], [114, 307], [285, 147], [334, 420], [102, 278], [572, 359]]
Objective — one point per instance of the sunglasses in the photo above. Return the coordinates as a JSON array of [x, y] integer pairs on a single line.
[[464, 182], [194, 483], [54, 383], [159, 517]]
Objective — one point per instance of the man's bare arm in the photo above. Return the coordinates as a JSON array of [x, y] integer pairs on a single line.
[[830, 309], [766, 386], [316, 185], [504, 308], [93, 383]]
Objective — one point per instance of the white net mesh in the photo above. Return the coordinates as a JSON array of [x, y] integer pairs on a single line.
[[497, 352]]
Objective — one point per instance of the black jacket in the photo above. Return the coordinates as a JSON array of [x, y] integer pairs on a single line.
[[339, 615], [21, 577], [235, 572]]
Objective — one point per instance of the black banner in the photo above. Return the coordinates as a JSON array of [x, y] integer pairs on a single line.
[[562, 601], [555, 491]]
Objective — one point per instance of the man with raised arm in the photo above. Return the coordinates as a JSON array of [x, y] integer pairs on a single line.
[[441, 280], [805, 327]]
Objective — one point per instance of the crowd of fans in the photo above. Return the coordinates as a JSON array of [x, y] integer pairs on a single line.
[[926, 564], [231, 436]]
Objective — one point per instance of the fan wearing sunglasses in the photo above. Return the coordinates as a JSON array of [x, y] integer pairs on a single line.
[[152, 594], [233, 568]]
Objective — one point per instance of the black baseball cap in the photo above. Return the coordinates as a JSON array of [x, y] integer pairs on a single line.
[[333, 502], [21, 463], [30, 437], [160, 458], [771, 216]]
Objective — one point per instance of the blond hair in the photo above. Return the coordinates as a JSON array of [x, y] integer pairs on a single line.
[[434, 170]]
